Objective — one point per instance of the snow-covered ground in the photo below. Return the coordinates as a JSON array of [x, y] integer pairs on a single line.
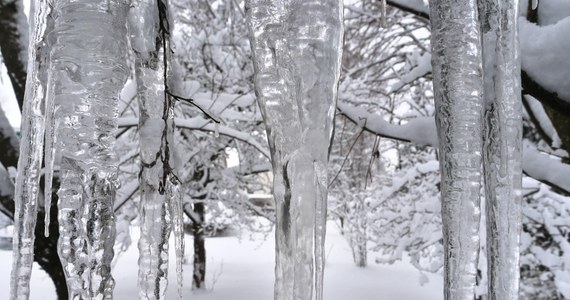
[[241, 269]]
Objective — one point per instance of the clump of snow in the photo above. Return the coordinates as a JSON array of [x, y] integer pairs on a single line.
[[541, 50], [552, 11], [422, 66]]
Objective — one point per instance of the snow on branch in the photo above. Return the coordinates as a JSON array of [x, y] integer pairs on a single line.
[[541, 50], [199, 123], [419, 130], [545, 169], [422, 131]]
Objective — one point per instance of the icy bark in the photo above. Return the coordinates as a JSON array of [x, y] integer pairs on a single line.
[[458, 87], [149, 39], [88, 69], [30, 161], [503, 146], [297, 50]]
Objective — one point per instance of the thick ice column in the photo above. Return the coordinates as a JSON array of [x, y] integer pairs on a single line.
[[458, 87], [297, 49], [149, 39], [30, 160], [503, 146], [88, 70]]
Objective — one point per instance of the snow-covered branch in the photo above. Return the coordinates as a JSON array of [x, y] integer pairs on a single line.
[[422, 131], [199, 123]]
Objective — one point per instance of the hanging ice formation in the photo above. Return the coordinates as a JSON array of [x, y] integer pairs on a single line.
[[88, 69], [297, 48], [502, 146], [30, 161], [458, 86], [148, 21]]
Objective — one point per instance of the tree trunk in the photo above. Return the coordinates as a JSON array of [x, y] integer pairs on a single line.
[[45, 249], [199, 274], [197, 216]]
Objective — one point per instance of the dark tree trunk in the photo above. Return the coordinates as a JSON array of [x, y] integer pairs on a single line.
[[196, 214], [199, 274], [45, 250]]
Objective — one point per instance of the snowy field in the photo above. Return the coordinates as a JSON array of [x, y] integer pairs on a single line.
[[241, 269]]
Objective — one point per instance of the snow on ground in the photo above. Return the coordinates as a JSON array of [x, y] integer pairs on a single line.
[[241, 269]]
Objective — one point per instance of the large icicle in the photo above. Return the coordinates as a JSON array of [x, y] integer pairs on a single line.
[[88, 70], [297, 49], [503, 146], [458, 87], [148, 23], [30, 161]]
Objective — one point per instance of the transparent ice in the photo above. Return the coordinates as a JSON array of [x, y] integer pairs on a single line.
[[503, 145], [297, 47], [30, 161], [174, 193], [160, 192], [458, 87], [87, 72]]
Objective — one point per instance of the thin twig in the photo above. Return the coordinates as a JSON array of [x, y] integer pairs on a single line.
[[191, 101], [346, 157]]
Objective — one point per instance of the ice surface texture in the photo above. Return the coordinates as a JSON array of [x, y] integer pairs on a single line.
[[502, 146], [297, 48], [87, 72], [458, 88], [30, 160], [160, 190]]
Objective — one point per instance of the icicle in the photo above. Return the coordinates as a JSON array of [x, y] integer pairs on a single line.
[[458, 87], [174, 193], [30, 160], [503, 146], [50, 150], [297, 50], [88, 70], [148, 24]]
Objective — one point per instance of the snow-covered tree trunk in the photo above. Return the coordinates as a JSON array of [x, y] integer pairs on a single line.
[[148, 25], [458, 87], [88, 68], [503, 146], [296, 48], [30, 160]]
